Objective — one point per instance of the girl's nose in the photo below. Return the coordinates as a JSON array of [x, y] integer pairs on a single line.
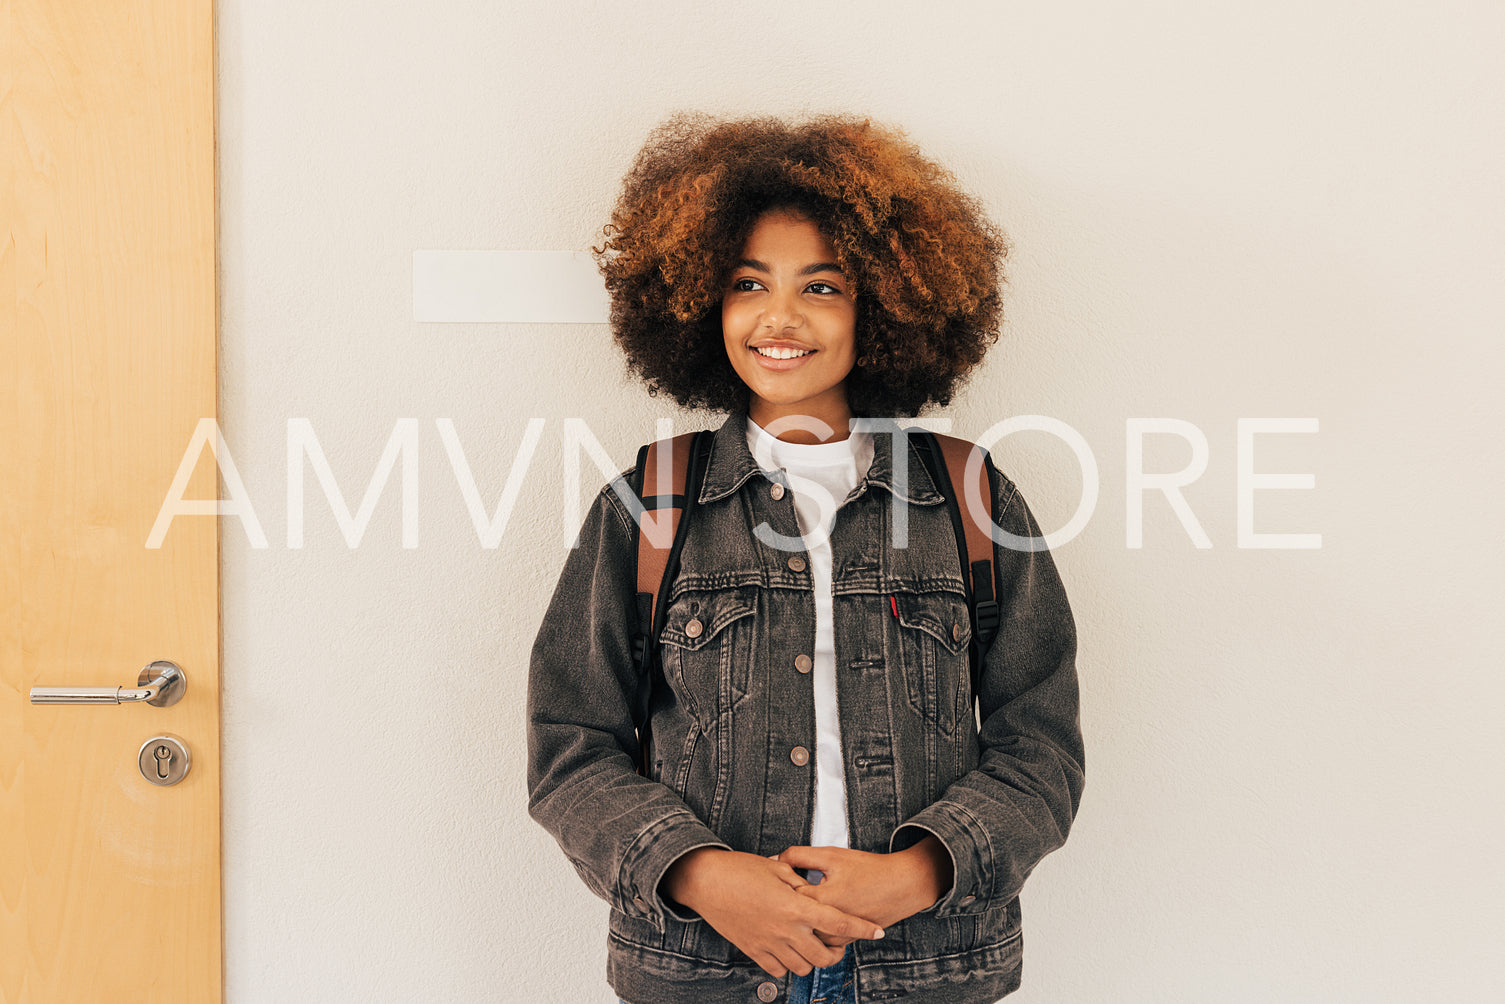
[[782, 311]]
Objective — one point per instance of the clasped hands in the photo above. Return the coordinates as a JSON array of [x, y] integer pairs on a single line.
[[783, 922]]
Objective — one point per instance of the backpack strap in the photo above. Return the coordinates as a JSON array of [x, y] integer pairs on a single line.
[[685, 459], [973, 542]]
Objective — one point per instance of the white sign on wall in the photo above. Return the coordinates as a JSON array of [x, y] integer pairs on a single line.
[[558, 287]]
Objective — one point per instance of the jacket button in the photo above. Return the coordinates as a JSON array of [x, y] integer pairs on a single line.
[[803, 663], [800, 756], [797, 564], [694, 628], [638, 902], [967, 900], [777, 491], [956, 632], [768, 991]]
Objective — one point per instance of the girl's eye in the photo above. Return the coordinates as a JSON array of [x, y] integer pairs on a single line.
[[739, 286], [828, 287]]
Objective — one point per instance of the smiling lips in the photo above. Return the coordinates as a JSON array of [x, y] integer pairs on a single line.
[[781, 357]]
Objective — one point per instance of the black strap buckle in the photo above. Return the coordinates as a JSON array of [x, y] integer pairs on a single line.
[[987, 618]]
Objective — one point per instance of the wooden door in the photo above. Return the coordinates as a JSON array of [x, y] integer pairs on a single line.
[[109, 885]]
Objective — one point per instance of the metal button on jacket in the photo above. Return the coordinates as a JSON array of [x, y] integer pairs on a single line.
[[968, 900], [797, 563], [956, 632], [694, 627], [777, 491], [800, 756], [638, 902], [803, 663], [767, 991]]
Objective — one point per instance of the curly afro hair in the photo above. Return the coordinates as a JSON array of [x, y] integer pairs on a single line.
[[924, 260]]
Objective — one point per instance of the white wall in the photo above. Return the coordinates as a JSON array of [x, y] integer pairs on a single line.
[[1220, 211]]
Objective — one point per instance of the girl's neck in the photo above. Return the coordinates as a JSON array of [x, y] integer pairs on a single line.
[[801, 421]]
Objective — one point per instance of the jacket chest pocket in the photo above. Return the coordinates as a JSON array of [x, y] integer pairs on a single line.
[[707, 648], [934, 633]]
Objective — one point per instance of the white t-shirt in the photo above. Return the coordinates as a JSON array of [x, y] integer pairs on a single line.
[[836, 468]]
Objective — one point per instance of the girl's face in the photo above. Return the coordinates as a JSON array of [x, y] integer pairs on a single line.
[[789, 320]]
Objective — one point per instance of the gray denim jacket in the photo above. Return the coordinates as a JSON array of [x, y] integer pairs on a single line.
[[733, 715]]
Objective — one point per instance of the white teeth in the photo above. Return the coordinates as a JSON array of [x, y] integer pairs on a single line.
[[781, 352]]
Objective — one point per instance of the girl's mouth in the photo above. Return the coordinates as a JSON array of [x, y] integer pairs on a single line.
[[781, 357]]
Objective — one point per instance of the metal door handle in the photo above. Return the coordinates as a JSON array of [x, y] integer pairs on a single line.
[[159, 684]]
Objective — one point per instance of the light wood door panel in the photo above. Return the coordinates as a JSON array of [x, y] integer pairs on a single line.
[[109, 885]]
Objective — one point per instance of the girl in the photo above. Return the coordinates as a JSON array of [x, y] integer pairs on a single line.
[[811, 706]]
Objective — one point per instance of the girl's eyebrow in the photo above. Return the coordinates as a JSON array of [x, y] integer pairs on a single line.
[[820, 266]]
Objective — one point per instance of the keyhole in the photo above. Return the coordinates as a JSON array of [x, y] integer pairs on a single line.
[[163, 755]]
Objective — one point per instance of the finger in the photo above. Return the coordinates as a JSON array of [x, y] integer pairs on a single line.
[[833, 940], [809, 857], [794, 961], [791, 878], [769, 964], [818, 952], [834, 921]]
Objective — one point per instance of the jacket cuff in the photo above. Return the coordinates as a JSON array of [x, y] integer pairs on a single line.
[[959, 832], [649, 857]]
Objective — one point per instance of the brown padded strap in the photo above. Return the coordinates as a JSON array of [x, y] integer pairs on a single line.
[[653, 560], [979, 543]]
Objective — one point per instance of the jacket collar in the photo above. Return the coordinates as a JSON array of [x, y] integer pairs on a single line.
[[731, 464]]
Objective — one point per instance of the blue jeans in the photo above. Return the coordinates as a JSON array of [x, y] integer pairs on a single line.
[[828, 985]]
